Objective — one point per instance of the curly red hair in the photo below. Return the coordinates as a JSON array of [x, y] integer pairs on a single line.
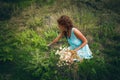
[[65, 21]]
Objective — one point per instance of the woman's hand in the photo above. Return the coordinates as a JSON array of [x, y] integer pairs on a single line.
[[56, 39], [76, 49], [49, 44]]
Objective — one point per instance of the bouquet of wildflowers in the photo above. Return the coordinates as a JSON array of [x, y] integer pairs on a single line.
[[66, 56]]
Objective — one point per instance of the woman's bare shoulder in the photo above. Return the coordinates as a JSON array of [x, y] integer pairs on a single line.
[[76, 30]]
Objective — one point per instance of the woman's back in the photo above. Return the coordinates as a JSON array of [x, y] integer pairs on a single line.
[[73, 40]]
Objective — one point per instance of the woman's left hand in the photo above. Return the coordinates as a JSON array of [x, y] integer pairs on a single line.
[[76, 49]]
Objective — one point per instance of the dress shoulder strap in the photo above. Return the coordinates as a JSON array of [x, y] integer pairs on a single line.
[[73, 30]]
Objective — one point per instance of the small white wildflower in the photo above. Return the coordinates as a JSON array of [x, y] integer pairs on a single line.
[[57, 52], [60, 48]]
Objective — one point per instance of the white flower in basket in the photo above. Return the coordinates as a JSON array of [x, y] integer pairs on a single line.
[[67, 56]]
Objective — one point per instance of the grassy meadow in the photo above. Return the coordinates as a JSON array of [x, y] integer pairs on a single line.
[[27, 26]]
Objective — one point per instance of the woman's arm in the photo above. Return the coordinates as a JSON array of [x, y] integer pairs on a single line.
[[81, 37], [56, 39]]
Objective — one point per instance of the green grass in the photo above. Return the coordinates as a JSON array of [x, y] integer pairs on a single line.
[[24, 40]]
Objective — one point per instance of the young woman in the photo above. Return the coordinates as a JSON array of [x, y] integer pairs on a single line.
[[75, 38]]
